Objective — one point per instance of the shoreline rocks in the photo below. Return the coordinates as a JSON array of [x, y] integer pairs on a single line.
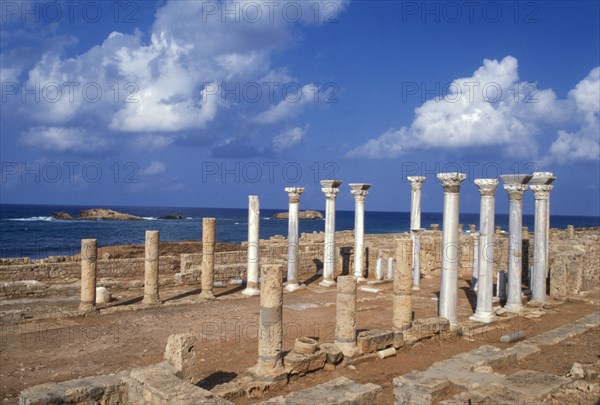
[[97, 213], [308, 214]]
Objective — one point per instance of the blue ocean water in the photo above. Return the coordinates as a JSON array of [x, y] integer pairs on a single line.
[[29, 230]]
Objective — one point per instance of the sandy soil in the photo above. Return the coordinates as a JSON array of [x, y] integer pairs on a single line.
[[54, 350]]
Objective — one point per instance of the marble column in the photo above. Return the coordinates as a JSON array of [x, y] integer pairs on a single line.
[[378, 267], [475, 268], [515, 185], [545, 178], [293, 218], [330, 188], [208, 257], [345, 315], [402, 287], [416, 184], [359, 190], [390, 268], [89, 255], [253, 246], [450, 248], [416, 257], [270, 325], [541, 190], [485, 281], [151, 268]]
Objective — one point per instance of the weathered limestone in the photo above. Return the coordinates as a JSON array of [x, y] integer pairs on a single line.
[[390, 268], [540, 185], [515, 185], [475, 267], [571, 231], [89, 255], [485, 292], [449, 279], [270, 340], [253, 246], [180, 352], [345, 316], [402, 306], [416, 257], [151, 269], [330, 188], [378, 268], [416, 184], [294, 202], [359, 190], [208, 257]]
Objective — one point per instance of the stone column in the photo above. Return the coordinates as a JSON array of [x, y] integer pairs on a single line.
[[571, 231], [359, 190], [390, 268], [475, 268], [330, 188], [515, 185], [485, 291], [253, 246], [378, 267], [449, 279], [208, 257], [345, 315], [416, 257], [293, 218], [540, 241], [416, 184], [402, 306], [89, 255], [270, 326], [545, 178], [151, 268]]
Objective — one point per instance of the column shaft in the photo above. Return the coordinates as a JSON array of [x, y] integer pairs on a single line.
[[416, 183], [330, 189], [253, 246], [345, 315], [152, 253], [402, 306], [475, 267], [89, 255], [293, 219], [540, 242], [208, 257]]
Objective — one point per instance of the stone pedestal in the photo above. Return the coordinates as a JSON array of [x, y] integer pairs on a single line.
[[270, 339], [152, 252], [416, 257], [293, 218], [330, 188], [345, 316], [89, 256], [416, 184], [253, 246], [485, 290], [402, 306], [541, 194], [359, 190], [515, 185], [475, 267], [450, 249], [208, 257]]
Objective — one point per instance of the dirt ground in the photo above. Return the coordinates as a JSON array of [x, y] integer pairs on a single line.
[[52, 350]]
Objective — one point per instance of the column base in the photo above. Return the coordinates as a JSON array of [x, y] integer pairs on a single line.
[[291, 287], [348, 349], [361, 279], [266, 371], [327, 283], [151, 301], [514, 308], [416, 288], [250, 292], [207, 296], [484, 317], [88, 308]]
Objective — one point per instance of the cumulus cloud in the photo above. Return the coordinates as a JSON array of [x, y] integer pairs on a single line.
[[291, 105], [154, 168], [490, 108], [289, 138], [60, 139]]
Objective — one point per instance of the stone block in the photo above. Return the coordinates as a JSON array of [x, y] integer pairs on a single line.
[[181, 354], [374, 340], [428, 327], [296, 363], [333, 353], [341, 391]]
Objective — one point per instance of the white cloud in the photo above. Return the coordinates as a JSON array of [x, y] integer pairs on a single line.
[[289, 139], [154, 168], [152, 142], [63, 140], [291, 105], [493, 108]]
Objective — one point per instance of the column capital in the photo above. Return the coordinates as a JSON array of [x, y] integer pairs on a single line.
[[359, 190], [294, 193], [542, 178], [486, 187], [451, 181], [416, 182], [330, 188], [541, 191]]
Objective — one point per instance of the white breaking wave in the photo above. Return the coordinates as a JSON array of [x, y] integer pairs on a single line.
[[150, 218], [32, 219]]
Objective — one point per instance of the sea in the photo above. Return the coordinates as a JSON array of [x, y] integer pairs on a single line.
[[30, 231]]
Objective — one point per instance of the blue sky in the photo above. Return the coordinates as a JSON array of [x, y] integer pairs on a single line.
[[201, 103]]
